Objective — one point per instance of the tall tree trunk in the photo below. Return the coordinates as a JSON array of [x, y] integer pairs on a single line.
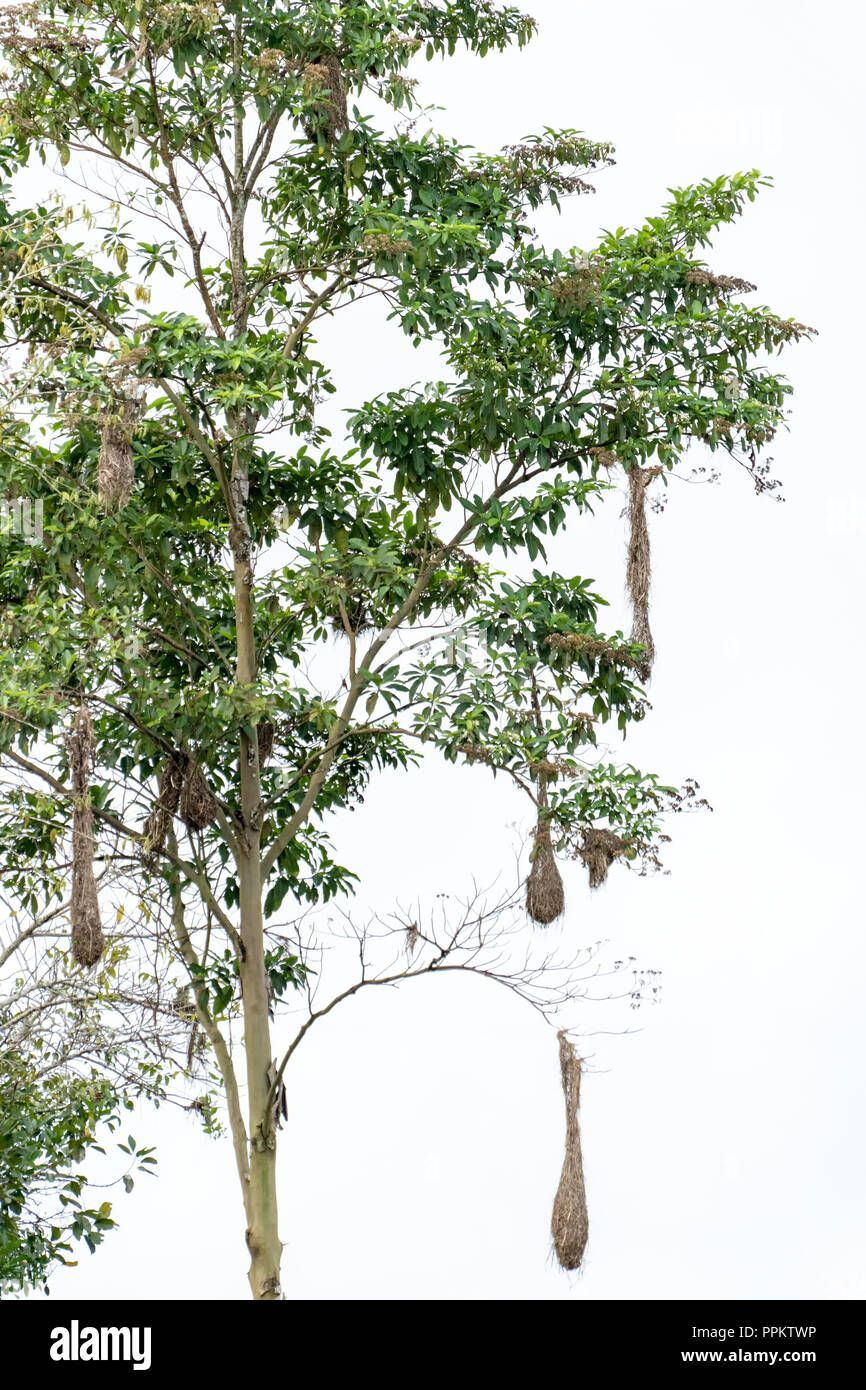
[[262, 1232], [263, 1238], [261, 1205]]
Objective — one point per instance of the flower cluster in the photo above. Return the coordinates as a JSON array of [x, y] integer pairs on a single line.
[[580, 289], [725, 284], [378, 244]]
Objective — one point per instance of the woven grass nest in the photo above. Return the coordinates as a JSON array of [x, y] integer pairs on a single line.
[[265, 740], [156, 826], [182, 790], [639, 567], [88, 940], [357, 616], [198, 808], [545, 895], [331, 111], [598, 851], [569, 1223], [116, 478]]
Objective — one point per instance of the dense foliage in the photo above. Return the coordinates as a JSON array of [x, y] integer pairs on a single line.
[[252, 171]]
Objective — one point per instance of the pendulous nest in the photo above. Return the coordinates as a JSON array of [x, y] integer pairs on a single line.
[[330, 111], [265, 740], [156, 826], [639, 569], [545, 895], [198, 807], [88, 941], [116, 469], [598, 851], [569, 1224], [182, 790]]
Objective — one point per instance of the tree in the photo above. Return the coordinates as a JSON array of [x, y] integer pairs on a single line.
[[210, 548], [76, 1051]]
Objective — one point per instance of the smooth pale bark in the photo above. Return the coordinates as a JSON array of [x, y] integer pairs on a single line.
[[260, 1199], [263, 1238], [260, 1196]]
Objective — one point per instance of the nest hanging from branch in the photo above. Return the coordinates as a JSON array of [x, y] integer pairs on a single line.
[[598, 851], [639, 569], [352, 618], [545, 895], [156, 826], [569, 1224], [88, 941], [265, 740], [198, 807], [331, 113], [116, 468]]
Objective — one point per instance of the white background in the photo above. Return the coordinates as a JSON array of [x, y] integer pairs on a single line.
[[723, 1143]]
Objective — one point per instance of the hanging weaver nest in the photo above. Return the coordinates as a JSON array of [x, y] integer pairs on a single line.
[[265, 740], [598, 851], [569, 1224], [545, 895], [639, 571], [191, 1045], [197, 805], [605, 458], [157, 824], [88, 942], [356, 615], [546, 768], [116, 470], [331, 113]]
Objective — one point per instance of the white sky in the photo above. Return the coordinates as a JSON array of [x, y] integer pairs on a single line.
[[723, 1144]]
